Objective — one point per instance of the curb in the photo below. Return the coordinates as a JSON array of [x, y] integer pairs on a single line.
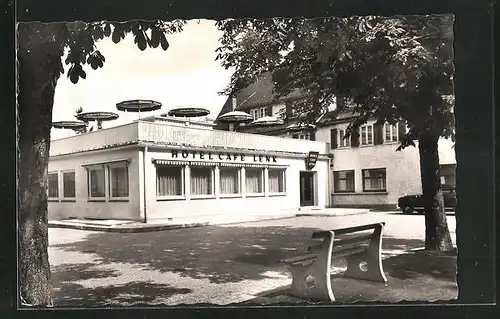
[[138, 228], [134, 229], [330, 215]]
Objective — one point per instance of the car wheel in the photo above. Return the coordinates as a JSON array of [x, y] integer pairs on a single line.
[[407, 209]]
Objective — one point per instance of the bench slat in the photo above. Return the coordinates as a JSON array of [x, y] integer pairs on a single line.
[[347, 252], [298, 259], [347, 230], [353, 240]]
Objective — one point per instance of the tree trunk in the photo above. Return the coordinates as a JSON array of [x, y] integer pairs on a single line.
[[437, 235], [39, 67]]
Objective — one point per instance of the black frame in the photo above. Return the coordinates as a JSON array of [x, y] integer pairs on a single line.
[[475, 140]]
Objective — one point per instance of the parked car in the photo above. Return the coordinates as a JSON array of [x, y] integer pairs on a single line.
[[414, 203]]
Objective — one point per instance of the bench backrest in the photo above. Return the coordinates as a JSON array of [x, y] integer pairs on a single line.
[[351, 242]]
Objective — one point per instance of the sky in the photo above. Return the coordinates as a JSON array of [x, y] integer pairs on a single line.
[[184, 75]]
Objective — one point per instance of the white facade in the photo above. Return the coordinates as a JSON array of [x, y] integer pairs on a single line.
[[158, 169], [402, 168]]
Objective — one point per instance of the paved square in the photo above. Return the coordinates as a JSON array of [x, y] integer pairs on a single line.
[[215, 264]]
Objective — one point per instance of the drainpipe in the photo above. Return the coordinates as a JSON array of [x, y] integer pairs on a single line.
[[330, 175], [144, 153]]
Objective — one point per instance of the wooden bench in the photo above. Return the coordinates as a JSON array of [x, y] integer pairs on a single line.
[[311, 272]]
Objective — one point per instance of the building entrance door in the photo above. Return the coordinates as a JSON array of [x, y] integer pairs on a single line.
[[306, 188]]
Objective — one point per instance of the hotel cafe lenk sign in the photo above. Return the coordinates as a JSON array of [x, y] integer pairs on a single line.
[[221, 156]]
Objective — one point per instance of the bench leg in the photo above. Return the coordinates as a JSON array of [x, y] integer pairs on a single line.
[[313, 281], [368, 265]]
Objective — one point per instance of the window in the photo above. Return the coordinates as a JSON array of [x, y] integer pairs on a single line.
[[391, 133], [96, 182], [276, 180], [53, 185], [254, 180], [366, 134], [118, 181], [69, 184], [169, 181], [374, 180], [448, 174], [202, 181], [343, 181], [229, 180], [258, 113], [343, 142], [302, 136]]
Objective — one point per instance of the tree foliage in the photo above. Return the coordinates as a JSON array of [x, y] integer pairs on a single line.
[[41, 48], [391, 68]]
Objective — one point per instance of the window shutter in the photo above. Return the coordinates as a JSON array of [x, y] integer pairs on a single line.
[[269, 111], [401, 130], [378, 131], [333, 138], [355, 138]]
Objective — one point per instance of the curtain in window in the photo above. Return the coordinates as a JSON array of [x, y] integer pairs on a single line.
[[201, 180], [169, 181], [69, 184], [53, 185], [254, 180], [363, 135], [276, 181], [344, 181], [375, 180], [229, 181], [119, 181], [97, 183]]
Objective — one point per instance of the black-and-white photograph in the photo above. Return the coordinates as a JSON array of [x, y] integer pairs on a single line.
[[237, 162]]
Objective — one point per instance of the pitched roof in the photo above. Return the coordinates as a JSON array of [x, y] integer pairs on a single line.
[[258, 94]]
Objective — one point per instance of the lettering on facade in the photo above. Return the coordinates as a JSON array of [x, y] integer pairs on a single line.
[[233, 157]]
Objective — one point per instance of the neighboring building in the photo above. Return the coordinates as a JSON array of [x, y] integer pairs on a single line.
[[368, 171], [259, 101], [364, 172], [165, 168]]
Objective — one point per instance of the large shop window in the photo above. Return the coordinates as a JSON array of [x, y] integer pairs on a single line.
[[374, 180], [97, 186], [53, 185], [118, 180], [343, 181], [230, 180], [170, 181], [276, 180], [254, 181], [202, 181], [69, 184]]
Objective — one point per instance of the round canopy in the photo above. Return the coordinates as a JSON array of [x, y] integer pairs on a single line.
[[188, 112], [74, 125], [138, 106], [235, 117], [267, 120], [300, 127], [97, 116]]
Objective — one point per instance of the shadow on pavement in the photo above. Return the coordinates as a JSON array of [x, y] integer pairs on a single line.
[[220, 254], [68, 294], [411, 277]]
